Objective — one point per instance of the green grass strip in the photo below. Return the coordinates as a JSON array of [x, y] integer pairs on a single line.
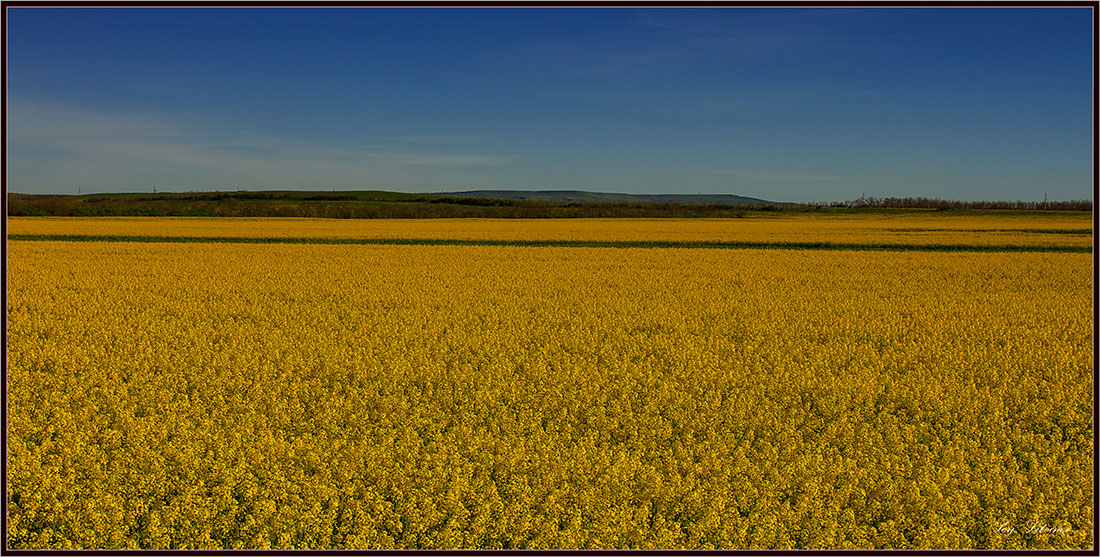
[[552, 243]]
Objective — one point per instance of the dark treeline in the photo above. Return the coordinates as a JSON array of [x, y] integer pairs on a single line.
[[375, 205], [945, 204], [348, 206]]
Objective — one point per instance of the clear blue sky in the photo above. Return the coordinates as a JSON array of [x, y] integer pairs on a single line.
[[787, 104]]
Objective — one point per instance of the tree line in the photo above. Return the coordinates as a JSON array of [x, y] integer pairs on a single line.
[[406, 206], [947, 204]]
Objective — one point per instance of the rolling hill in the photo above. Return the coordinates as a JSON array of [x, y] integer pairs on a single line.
[[383, 204], [576, 196]]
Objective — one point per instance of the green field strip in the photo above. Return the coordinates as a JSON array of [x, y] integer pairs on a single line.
[[839, 246]]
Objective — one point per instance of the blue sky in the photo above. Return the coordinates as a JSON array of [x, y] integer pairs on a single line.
[[788, 104]]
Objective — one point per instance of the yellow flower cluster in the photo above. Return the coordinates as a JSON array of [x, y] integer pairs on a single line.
[[322, 396], [930, 228]]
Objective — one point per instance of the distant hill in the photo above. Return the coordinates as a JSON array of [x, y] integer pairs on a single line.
[[576, 196], [384, 204]]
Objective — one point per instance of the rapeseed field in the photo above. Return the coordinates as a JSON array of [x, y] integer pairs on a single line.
[[918, 227], [200, 395]]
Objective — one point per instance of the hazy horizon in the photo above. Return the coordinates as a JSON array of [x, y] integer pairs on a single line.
[[542, 191], [782, 104]]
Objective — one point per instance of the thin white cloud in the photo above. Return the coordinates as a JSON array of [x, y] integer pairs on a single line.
[[433, 159], [652, 38], [765, 175], [54, 148], [433, 139]]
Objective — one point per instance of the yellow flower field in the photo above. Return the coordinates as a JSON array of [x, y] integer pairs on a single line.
[[924, 227], [198, 395]]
